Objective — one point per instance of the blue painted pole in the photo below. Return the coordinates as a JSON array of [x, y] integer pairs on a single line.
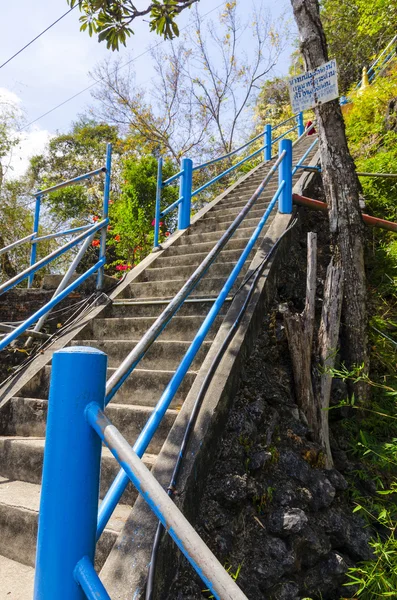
[[185, 194], [158, 200], [70, 487], [285, 174], [301, 126], [105, 214], [268, 142], [33, 251]]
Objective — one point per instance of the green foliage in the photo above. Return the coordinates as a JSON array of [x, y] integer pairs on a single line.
[[111, 19], [133, 212], [356, 32], [68, 156]]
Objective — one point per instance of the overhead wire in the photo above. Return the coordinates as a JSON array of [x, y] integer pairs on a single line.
[[135, 58], [37, 36]]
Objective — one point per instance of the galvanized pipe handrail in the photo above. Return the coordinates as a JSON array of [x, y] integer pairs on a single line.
[[77, 179], [117, 379], [299, 163], [210, 570], [9, 329], [371, 68], [51, 236], [17, 243], [303, 134], [50, 257], [63, 283], [229, 170], [44, 309]]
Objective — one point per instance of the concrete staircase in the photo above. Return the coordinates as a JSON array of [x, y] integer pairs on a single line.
[[116, 329]]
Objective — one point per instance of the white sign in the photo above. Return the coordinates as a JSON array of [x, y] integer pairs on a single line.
[[314, 87]]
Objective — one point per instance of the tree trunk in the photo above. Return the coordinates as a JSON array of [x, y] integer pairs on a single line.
[[327, 345], [300, 329], [341, 188]]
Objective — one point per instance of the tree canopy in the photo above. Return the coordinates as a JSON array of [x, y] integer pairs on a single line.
[[111, 20]]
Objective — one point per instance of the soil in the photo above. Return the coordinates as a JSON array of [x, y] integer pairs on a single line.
[[280, 523]]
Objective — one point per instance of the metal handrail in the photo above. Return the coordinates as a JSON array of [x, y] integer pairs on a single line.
[[171, 179], [284, 122], [229, 170], [215, 160], [137, 353], [306, 154], [77, 179], [18, 243], [47, 307], [50, 257]]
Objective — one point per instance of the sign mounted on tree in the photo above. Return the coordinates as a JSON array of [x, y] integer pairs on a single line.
[[314, 87]]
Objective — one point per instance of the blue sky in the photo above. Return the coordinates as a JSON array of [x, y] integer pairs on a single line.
[[56, 66]]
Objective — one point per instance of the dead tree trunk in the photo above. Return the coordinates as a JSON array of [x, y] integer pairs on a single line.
[[300, 330], [313, 378], [341, 188]]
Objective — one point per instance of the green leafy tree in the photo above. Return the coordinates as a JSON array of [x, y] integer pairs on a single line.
[[133, 213], [356, 32], [111, 20]]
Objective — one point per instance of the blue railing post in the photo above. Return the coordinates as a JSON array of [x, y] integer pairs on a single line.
[[70, 487], [105, 215], [285, 175], [185, 193], [301, 126], [158, 200], [268, 142], [33, 250]]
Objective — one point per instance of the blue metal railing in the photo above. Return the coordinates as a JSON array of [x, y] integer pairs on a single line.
[[187, 169], [381, 62], [73, 570], [85, 233]]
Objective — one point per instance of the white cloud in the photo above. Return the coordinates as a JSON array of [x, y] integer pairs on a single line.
[[29, 143]]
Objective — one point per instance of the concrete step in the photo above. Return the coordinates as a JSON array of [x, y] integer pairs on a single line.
[[168, 289], [226, 217], [127, 328], [249, 221], [163, 355], [143, 387], [221, 269], [204, 247], [195, 259], [137, 308], [17, 580], [19, 506], [21, 459], [192, 238], [29, 415]]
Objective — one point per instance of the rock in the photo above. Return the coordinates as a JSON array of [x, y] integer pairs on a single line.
[[337, 480], [233, 489], [285, 591], [323, 492], [326, 577], [294, 466], [311, 546], [275, 560], [287, 522], [347, 533], [256, 410], [259, 459]]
